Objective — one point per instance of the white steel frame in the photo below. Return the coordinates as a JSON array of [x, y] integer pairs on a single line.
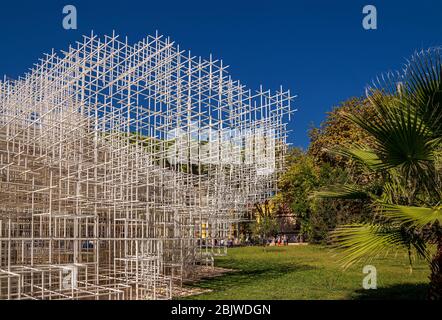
[[123, 168]]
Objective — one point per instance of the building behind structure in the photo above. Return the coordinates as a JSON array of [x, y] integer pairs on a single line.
[[123, 166]]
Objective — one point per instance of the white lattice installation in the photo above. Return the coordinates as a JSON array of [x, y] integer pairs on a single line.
[[123, 168]]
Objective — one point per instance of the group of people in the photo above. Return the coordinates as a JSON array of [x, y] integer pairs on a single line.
[[281, 240], [229, 242]]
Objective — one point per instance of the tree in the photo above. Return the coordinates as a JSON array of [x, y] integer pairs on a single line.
[[405, 153], [337, 130], [298, 180], [314, 217], [266, 224]]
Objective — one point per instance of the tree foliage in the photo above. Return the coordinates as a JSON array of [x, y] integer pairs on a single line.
[[314, 217], [265, 224], [338, 131]]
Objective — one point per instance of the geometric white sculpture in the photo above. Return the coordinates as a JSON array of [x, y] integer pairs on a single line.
[[122, 167]]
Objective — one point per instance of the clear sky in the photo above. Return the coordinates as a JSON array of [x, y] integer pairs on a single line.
[[318, 49]]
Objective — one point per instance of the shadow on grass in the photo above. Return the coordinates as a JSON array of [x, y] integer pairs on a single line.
[[273, 249], [244, 277], [405, 291]]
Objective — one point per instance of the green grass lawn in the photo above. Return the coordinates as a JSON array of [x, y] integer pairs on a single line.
[[310, 272]]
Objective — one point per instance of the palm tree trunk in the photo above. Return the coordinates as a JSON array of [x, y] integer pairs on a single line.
[[435, 291]]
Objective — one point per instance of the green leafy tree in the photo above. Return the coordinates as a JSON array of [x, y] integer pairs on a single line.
[[337, 130], [314, 218], [266, 224], [298, 180]]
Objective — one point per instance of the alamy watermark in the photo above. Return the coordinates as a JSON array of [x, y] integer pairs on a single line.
[[370, 20], [70, 277], [70, 18], [370, 280]]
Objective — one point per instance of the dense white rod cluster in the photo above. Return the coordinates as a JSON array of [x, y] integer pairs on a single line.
[[124, 168]]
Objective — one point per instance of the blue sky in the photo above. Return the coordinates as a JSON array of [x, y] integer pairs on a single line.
[[318, 49]]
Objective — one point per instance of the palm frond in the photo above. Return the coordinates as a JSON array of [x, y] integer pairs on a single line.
[[366, 241], [423, 86], [342, 192], [402, 141], [362, 155], [416, 216]]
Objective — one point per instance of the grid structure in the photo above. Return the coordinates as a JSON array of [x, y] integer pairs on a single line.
[[123, 168]]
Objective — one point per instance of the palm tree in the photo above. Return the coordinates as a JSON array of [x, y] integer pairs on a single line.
[[404, 154]]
